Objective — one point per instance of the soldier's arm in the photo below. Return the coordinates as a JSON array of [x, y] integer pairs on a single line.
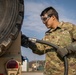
[[74, 33], [37, 48], [71, 48]]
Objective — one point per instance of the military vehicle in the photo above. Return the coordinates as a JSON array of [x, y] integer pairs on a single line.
[[11, 17]]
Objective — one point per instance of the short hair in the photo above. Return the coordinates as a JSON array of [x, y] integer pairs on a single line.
[[50, 11]]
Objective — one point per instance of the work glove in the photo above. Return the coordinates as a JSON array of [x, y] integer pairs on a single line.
[[67, 50], [24, 41], [62, 52]]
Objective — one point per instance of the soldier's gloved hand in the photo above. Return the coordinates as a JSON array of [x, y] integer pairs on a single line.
[[62, 52], [24, 41], [67, 50]]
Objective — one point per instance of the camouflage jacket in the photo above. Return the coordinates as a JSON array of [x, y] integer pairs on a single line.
[[62, 36]]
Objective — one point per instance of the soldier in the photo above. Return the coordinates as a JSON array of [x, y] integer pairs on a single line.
[[62, 34]]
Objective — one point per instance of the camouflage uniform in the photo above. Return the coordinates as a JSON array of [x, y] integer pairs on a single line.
[[62, 36]]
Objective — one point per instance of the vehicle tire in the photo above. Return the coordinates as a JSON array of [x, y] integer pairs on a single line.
[[11, 17]]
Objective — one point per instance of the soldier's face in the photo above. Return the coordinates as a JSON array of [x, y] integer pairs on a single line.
[[47, 20]]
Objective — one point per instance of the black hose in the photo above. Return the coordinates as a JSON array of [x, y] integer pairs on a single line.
[[65, 66], [56, 47]]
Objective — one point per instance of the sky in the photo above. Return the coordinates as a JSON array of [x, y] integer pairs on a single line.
[[33, 26]]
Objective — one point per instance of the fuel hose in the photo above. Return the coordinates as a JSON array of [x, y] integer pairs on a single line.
[[56, 47]]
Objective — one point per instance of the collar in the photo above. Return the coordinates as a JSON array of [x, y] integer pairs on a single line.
[[60, 24]]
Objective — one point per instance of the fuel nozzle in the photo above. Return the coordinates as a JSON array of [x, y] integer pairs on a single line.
[[32, 39]]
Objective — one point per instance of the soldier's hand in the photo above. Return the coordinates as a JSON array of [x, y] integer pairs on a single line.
[[24, 41], [62, 52]]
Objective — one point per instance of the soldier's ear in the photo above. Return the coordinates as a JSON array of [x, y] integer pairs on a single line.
[[53, 17]]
